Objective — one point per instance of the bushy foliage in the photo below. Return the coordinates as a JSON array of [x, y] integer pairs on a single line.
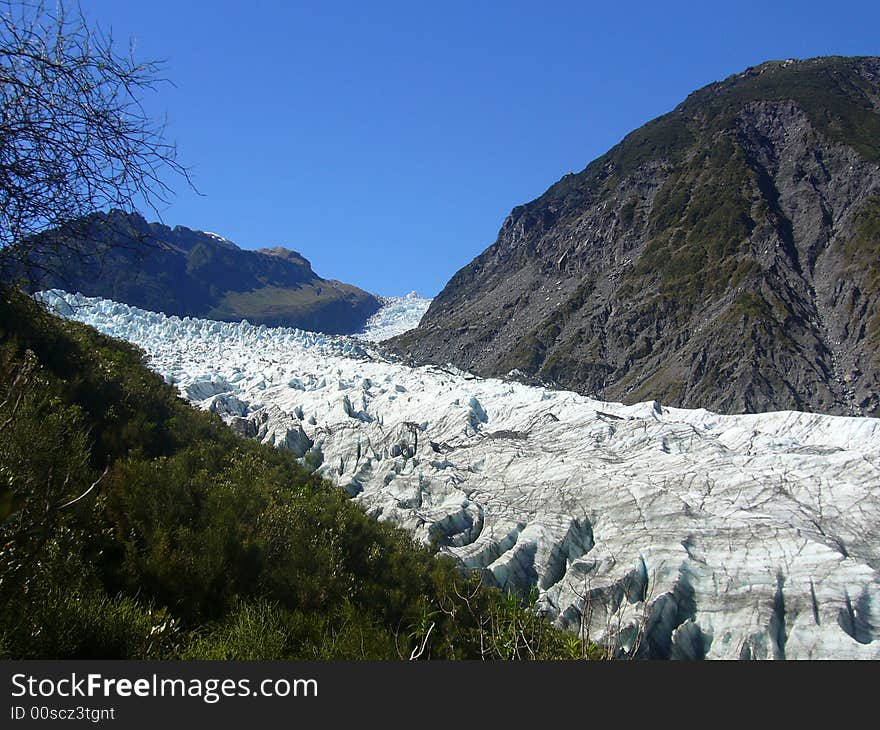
[[135, 526], [700, 224]]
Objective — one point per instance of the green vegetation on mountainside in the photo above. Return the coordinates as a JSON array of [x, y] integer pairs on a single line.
[[829, 90], [862, 253], [135, 526]]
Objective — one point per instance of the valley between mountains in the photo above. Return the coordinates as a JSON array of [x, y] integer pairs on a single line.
[[652, 403], [680, 533]]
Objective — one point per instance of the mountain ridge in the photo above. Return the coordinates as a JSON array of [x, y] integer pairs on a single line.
[[187, 272], [721, 256]]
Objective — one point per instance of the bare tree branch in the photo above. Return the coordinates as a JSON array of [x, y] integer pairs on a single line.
[[84, 494], [75, 136], [419, 650]]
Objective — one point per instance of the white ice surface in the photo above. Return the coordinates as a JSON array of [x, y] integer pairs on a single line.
[[724, 536], [398, 315]]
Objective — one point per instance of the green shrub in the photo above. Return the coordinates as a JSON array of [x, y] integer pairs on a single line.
[[136, 526]]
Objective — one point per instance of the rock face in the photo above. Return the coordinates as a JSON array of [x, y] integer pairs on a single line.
[[195, 273], [725, 255], [675, 533]]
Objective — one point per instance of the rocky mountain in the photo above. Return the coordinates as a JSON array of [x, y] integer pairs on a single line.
[[725, 255], [195, 273]]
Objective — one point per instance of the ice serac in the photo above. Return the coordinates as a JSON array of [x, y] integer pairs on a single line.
[[397, 315], [677, 533]]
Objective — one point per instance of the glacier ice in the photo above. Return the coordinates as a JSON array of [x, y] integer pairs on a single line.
[[397, 315], [683, 532]]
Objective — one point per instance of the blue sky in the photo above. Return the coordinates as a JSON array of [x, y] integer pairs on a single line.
[[387, 141]]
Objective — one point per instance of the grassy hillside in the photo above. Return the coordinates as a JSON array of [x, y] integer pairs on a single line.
[[134, 526]]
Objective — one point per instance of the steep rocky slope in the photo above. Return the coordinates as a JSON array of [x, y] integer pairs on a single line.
[[725, 255], [194, 273]]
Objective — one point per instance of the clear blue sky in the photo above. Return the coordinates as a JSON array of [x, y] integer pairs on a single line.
[[387, 141]]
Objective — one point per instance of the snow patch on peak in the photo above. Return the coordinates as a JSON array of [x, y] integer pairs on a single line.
[[217, 236], [222, 240]]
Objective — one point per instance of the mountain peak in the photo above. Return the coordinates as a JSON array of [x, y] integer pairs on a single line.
[[189, 272], [286, 254], [724, 255]]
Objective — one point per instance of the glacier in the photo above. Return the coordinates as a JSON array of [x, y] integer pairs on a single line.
[[672, 533], [397, 315]]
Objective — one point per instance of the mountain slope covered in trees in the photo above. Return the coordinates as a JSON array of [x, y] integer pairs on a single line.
[[135, 526]]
